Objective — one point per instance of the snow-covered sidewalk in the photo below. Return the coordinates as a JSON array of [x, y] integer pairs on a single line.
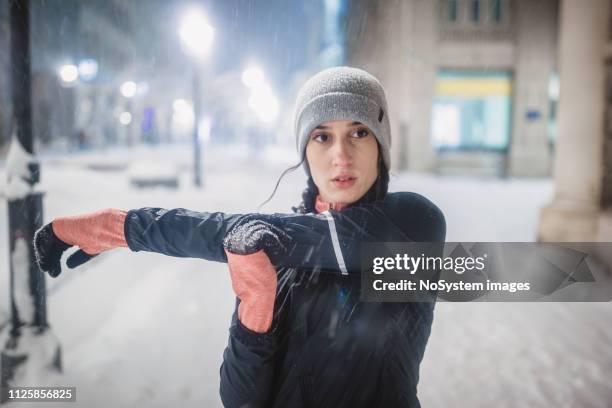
[[141, 329]]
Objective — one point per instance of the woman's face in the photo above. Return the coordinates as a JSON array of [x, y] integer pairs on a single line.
[[343, 160]]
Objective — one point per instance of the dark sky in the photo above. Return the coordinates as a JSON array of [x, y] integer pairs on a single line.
[[275, 33]]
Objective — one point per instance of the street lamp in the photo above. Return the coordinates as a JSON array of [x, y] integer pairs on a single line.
[[262, 99], [68, 73], [31, 348], [128, 89], [252, 77], [265, 104], [196, 36], [125, 118], [88, 69]]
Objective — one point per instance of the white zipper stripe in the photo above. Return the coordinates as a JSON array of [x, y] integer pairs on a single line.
[[335, 242]]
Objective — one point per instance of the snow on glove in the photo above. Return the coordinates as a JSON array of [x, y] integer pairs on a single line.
[[93, 233], [253, 233], [254, 281], [48, 249]]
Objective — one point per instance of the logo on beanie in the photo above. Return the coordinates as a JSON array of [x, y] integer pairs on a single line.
[[381, 113]]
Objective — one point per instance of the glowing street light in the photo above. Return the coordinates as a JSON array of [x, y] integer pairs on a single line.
[[69, 73], [125, 118], [264, 103], [88, 69], [182, 114], [262, 99], [128, 89], [252, 77], [196, 34]]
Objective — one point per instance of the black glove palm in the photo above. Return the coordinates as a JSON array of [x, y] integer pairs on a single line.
[[48, 249]]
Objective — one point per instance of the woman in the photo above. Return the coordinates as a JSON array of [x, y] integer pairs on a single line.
[[299, 336]]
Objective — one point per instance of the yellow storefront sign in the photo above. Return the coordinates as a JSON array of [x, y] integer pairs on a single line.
[[473, 87]]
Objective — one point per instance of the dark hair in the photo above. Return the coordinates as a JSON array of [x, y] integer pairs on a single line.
[[377, 191]]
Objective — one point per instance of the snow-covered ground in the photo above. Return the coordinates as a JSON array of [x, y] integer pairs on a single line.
[[140, 329]]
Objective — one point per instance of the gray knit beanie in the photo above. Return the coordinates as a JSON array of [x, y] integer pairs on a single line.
[[342, 93]]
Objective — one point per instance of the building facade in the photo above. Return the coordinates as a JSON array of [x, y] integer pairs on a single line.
[[472, 83], [500, 87]]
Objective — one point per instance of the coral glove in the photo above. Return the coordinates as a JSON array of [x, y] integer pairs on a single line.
[[254, 282], [248, 246], [93, 233]]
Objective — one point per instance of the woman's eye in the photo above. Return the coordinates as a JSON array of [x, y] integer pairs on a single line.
[[321, 137], [361, 133]]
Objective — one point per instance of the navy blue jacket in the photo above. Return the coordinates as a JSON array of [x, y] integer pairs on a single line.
[[325, 348]]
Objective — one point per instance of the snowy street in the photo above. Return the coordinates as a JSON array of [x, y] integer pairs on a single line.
[[141, 329]]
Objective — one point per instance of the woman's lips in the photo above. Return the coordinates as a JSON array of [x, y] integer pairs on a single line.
[[344, 181]]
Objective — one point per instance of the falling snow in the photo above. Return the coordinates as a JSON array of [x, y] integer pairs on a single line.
[[144, 329]]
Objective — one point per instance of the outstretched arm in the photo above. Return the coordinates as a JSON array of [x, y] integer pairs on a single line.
[[185, 233], [328, 241], [179, 232]]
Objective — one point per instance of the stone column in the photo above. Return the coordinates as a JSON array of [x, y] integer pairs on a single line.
[[574, 211], [394, 21], [606, 196], [378, 34], [536, 28], [421, 76]]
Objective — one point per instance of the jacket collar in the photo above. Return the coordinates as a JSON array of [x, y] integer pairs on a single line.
[[321, 206]]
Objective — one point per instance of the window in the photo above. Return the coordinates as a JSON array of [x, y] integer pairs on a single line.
[[475, 11], [472, 110], [453, 10], [496, 11]]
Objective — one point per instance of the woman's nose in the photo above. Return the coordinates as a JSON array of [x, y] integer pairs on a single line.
[[341, 155]]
